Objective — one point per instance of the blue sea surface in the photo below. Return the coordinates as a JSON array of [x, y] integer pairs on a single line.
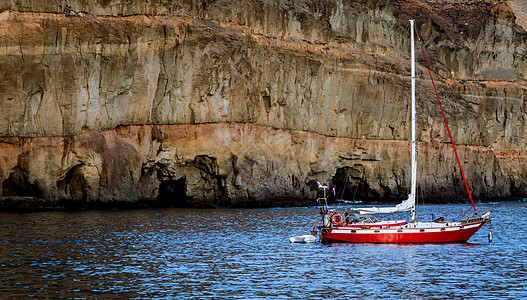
[[246, 254]]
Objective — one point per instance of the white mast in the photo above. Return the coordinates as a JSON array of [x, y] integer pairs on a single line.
[[413, 142], [408, 204]]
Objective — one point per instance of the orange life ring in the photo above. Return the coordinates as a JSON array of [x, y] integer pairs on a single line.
[[337, 219]]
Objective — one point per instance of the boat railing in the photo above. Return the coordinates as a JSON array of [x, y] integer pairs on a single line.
[[470, 221]]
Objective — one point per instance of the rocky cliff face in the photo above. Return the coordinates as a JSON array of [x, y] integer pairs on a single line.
[[250, 103]]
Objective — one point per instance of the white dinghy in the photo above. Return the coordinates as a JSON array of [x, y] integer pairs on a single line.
[[308, 238]]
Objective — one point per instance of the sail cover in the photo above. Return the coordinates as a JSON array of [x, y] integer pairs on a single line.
[[406, 205]]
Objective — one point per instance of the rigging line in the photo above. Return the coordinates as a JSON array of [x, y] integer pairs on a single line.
[[357, 188], [345, 183], [448, 129]]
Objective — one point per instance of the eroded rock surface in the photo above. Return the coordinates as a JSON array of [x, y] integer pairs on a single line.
[[250, 103], [237, 165]]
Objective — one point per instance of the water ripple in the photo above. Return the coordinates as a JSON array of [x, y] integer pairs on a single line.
[[240, 254]]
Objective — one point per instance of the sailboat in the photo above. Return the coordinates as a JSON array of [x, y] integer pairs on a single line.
[[360, 225]]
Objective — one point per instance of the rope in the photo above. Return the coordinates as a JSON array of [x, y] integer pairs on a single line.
[[448, 129], [345, 183]]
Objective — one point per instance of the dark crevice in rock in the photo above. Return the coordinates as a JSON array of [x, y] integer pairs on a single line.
[[18, 184], [351, 186], [210, 183], [74, 184], [172, 193]]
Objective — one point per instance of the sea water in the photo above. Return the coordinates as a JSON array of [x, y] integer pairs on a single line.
[[246, 254]]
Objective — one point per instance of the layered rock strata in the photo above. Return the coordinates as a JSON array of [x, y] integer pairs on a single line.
[[219, 165], [220, 103]]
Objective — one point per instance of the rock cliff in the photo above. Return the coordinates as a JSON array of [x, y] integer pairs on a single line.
[[250, 103]]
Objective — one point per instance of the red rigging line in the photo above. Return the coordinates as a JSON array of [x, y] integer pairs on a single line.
[[447, 128]]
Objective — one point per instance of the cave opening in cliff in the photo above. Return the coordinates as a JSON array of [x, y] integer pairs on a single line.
[[74, 184], [18, 185], [351, 186], [172, 193]]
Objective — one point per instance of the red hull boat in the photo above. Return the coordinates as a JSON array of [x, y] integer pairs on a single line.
[[419, 232], [365, 229]]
